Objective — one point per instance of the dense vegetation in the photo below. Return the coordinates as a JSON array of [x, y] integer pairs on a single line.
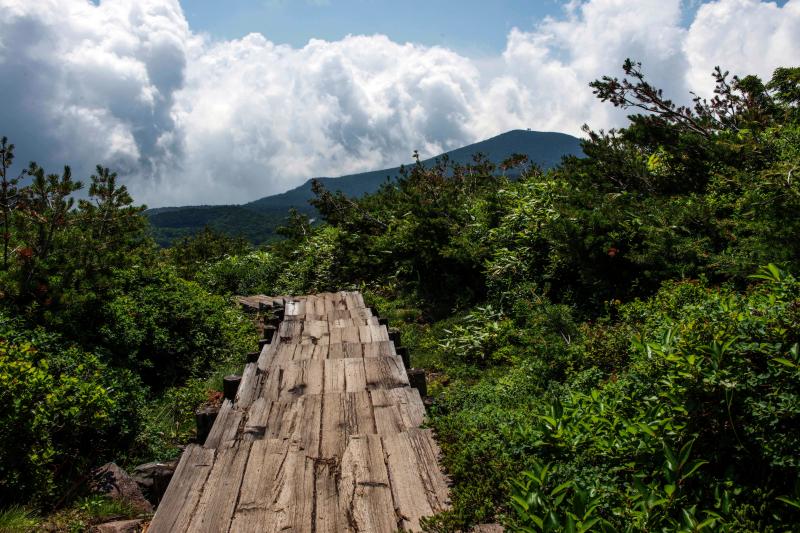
[[105, 350], [613, 344], [171, 225]]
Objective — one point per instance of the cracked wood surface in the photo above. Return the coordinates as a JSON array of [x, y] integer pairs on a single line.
[[323, 435]]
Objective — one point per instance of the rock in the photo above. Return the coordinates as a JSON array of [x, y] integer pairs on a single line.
[[153, 478], [120, 526], [488, 528], [112, 481]]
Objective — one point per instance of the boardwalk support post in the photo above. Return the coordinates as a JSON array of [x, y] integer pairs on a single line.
[[394, 336], [404, 355], [252, 357], [416, 378], [204, 419], [230, 384], [269, 331]]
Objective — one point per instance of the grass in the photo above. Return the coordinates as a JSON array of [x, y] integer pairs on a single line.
[[85, 513], [17, 520]]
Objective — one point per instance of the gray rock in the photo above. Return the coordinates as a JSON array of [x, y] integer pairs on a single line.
[[112, 481], [488, 528], [153, 478], [120, 526]]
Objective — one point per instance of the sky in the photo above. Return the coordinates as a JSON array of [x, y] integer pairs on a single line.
[[212, 101]]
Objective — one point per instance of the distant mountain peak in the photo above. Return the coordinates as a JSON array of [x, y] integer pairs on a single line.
[[257, 220], [543, 148]]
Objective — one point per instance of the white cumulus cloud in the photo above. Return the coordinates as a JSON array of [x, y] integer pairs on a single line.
[[187, 119]]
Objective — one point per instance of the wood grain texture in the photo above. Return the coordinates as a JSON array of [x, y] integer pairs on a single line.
[[323, 435], [183, 493]]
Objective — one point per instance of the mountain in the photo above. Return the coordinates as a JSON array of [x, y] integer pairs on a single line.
[[257, 220], [543, 148]]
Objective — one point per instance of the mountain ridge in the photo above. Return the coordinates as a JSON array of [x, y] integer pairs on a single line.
[[257, 220]]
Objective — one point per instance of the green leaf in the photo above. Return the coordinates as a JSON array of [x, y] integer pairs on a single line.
[[790, 364], [672, 461], [647, 429], [789, 501], [561, 488]]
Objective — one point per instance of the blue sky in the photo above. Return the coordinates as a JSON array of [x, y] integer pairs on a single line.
[[475, 27]]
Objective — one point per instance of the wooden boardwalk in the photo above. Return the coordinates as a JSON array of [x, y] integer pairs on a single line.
[[323, 435]]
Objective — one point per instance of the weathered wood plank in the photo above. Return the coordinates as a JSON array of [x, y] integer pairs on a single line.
[[335, 335], [350, 334], [418, 487], [339, 301], [335, 379], [248, 388], [384, 373], [344, 414], [272, 384], [330, 304], [183, 493], [259, 486], [350, 301], [314, 331], [284, 355], [304, 352], [257, 417], [267, 356], [397, 410], [225, 427], [364, 492], [336, 351], [353, 350], [283, 418], [328, 513], [379, 333], [302, 377], [365, 334], [278, 492], [355, 377], [307, 427], [321, 351], [379, 349], [215, 509]]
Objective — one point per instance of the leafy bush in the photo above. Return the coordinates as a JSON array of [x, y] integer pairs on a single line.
[[312, 266], [57, 398], [707, 411], [169, 329], [253, 273]]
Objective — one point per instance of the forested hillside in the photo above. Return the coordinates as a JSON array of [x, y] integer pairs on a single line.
[[612, 344], [257, 221]]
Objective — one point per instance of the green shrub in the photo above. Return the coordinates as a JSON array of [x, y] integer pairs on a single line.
[[707, 413], [252, 273], [169, 329], [57, 398], [312, 266]]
